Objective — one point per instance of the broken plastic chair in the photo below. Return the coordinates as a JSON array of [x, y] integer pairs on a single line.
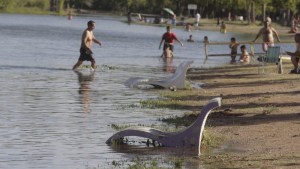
[[189, 137], [173, 82]]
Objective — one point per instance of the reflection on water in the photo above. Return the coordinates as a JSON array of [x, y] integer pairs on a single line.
[[168, 65], [156, 154], [84, 89]]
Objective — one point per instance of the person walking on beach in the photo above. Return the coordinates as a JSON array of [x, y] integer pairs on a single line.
[[168, 39], [267, 33], [234, 47], [87, 40]]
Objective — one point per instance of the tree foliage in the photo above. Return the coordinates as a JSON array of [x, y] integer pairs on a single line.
[[11, 4], [207, 8]]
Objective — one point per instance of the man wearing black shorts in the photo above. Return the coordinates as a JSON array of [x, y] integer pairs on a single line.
[[87, 40], [168, 39]]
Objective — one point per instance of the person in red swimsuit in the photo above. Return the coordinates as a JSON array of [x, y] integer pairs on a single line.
[[168, 39]]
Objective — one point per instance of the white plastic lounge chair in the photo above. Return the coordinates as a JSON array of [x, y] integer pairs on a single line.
[[189, 137], [174, 81], [272, 56]]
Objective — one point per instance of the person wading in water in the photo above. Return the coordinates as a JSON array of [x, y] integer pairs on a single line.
[[87, 40]]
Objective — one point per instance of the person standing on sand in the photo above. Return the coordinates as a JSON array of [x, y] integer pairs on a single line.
[[267, 33], [168, 39], [87, 40]]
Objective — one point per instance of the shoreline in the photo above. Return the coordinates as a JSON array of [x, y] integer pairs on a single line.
[[232, 26], [254, 110], [259, 119]]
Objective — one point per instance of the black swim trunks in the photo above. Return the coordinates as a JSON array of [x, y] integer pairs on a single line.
[[85, 55], [166, 45]]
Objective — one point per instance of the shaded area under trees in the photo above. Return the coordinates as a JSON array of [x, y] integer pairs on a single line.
[[279, 10]]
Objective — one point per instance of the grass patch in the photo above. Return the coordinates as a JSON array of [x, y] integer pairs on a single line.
[[176, 163], [185, 120], [210, 140], [269, 110], [139, 163], [166, 103], [120, 127]]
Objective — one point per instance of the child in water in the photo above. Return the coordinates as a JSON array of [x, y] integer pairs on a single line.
[[234, 47], [205, 39], [223, 27], [245, 55], [190, 39]]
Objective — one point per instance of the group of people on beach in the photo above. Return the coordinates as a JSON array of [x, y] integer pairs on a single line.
[[267, 33], [244, 58], [168, 38]]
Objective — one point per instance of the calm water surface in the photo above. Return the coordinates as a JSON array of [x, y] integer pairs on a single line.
[[52, 117]]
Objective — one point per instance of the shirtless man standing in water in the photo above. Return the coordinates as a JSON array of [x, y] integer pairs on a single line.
[[267, 34], [86, 43]]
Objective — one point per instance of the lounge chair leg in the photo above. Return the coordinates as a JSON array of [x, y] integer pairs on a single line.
[[280, 68]]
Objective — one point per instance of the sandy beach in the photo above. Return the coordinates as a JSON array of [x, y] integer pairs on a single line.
[[259, 121], [259, 117]]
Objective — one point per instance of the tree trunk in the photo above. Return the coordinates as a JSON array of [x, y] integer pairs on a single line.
[[178, 6], [288, 15], [252, 12], [263, 12], [249, 13]]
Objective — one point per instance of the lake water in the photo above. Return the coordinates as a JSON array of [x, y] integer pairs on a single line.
[[52, 117]]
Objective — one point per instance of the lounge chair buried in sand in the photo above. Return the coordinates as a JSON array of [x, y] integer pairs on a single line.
[[188, 137], [173, 82]]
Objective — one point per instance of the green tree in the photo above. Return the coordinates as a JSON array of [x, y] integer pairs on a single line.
[[12, 5]]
